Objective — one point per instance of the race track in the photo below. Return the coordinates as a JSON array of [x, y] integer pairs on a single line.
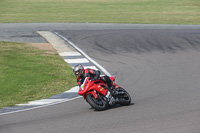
[[159, 67]]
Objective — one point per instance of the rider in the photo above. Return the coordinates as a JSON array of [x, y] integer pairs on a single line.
[[94, 75]]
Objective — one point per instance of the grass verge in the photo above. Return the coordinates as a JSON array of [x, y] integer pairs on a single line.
[[27, 74], [101, 11]]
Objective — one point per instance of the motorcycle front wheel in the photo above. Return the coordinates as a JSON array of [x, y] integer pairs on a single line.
[[99, 103]]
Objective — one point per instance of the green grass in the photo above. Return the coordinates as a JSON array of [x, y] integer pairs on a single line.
[[27, 74], [101, 11]]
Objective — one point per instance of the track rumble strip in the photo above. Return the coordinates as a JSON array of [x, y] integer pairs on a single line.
[[72, 57], [60, 98]]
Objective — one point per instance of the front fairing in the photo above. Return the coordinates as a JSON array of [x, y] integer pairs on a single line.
[[88, 86], [85, 87]]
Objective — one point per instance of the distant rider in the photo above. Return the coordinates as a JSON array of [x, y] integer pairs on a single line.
[[94, 75]]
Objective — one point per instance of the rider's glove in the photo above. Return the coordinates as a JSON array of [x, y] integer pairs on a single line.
[[97, 76]]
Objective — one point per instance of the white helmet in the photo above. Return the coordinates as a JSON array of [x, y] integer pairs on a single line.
[[79, 71]]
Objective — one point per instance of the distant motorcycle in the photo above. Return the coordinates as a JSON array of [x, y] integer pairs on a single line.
[[100, 98]]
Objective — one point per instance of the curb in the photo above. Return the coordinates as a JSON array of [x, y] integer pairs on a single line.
[[60, 98]]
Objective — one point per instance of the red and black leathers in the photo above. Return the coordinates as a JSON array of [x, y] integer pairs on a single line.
[[94, 75]]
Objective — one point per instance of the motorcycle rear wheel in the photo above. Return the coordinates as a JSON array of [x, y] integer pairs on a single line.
[[97, 103], [125, 98]]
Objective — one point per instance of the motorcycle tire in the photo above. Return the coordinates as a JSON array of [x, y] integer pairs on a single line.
[[125, 98], [98, 104]]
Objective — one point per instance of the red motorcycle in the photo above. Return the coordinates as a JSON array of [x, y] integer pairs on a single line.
[[99, 97]]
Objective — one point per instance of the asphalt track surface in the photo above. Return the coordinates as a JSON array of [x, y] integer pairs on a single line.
[[158, 66]]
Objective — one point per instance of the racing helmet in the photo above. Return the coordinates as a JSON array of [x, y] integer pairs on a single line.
[[79, 70]]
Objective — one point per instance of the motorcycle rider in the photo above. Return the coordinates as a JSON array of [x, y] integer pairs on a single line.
[[94, 75]]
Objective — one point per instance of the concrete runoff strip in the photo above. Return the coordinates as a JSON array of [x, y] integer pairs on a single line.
[[72, 57]]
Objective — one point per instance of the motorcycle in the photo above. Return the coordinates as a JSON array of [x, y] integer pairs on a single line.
[[100, 96]]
